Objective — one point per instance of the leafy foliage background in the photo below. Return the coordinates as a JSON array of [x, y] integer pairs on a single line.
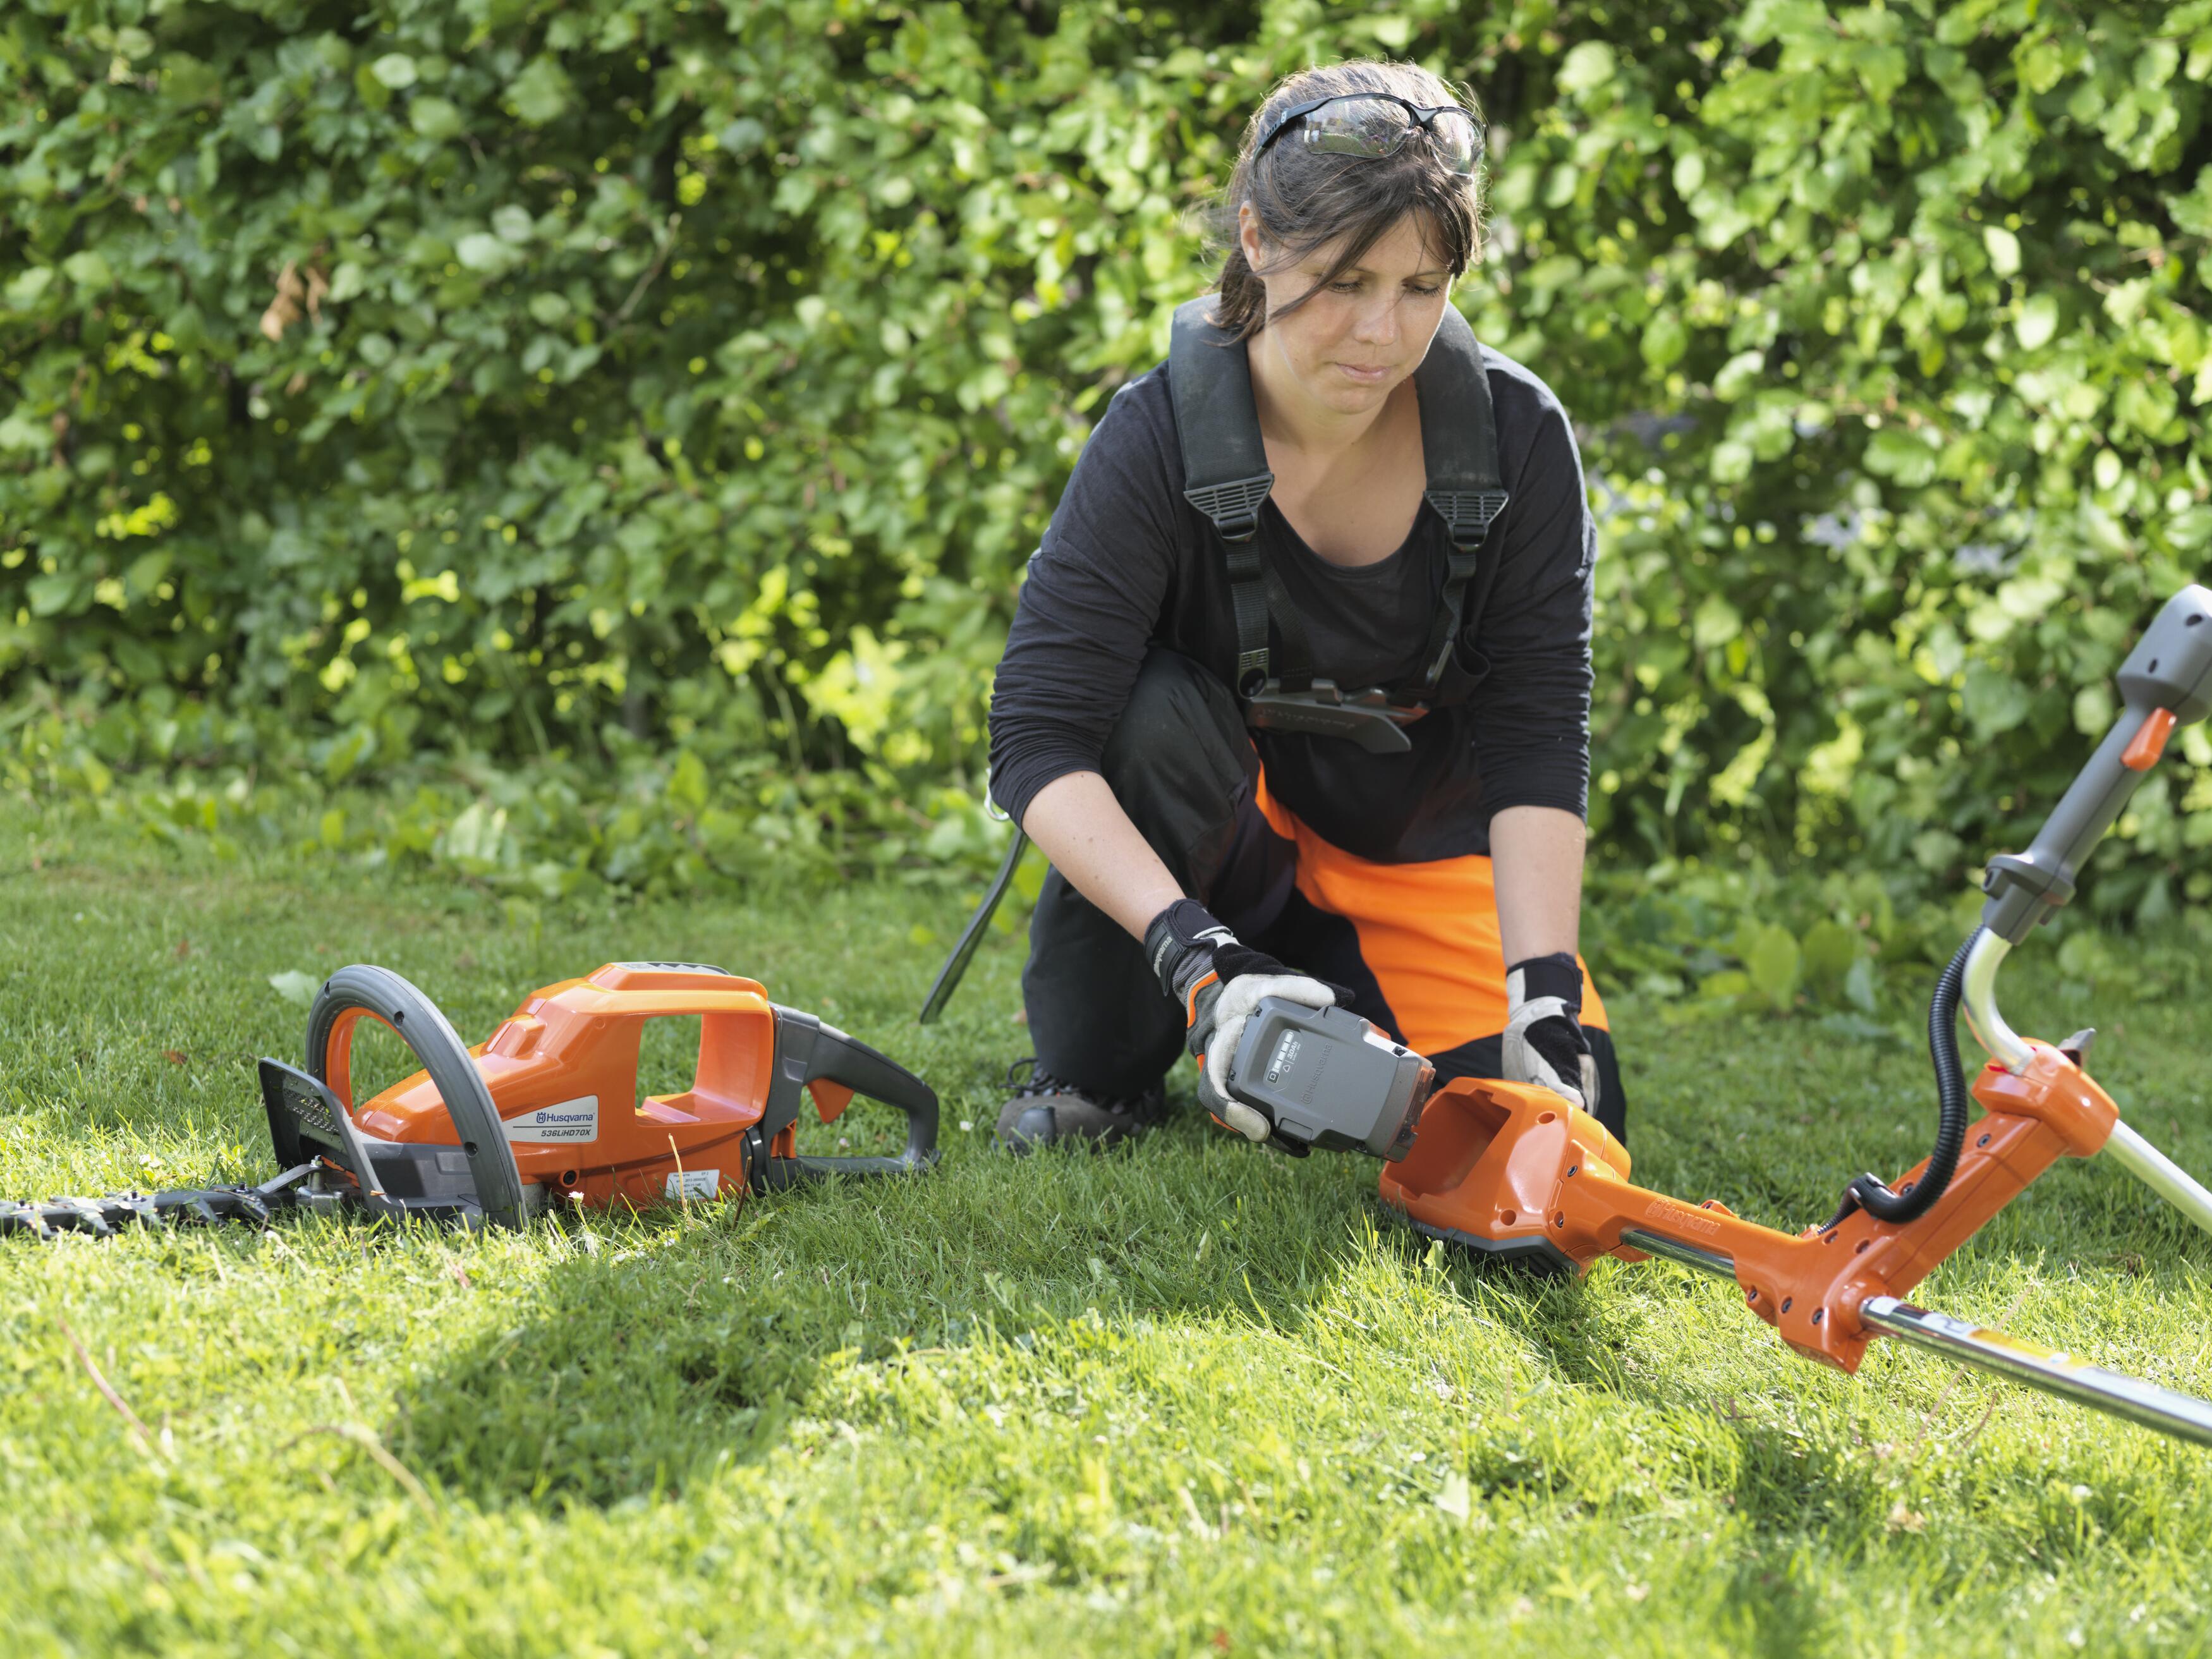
[[631, 416]]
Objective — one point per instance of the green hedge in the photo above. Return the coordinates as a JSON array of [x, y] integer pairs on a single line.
[[639, 377]]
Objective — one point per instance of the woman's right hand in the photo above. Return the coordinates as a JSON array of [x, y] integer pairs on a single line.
[[1219, 981]]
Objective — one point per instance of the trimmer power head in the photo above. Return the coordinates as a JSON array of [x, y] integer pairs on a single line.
[[1488, 1169], [547, 1110]]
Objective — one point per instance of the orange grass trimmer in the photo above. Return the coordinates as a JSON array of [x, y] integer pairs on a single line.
[[1511, 1172]]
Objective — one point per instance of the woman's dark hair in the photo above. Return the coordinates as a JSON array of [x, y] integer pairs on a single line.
[[1305, 199]]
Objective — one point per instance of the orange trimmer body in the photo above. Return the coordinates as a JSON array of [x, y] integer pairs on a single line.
[[1513, 1171], [549, 1107]]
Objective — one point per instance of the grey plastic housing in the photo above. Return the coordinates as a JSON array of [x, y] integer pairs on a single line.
[[2170, 668], [1326, 1078]]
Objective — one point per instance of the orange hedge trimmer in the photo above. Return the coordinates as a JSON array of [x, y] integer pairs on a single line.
[[546, 1110]]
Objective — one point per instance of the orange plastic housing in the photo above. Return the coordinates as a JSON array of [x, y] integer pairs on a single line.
[[562, 1073], [1512, 1169]]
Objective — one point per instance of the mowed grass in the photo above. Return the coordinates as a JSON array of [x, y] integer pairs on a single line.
[[1197, 1399]]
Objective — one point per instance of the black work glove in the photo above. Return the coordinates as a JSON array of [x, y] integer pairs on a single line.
[[1218, 981], [1544, 1043]]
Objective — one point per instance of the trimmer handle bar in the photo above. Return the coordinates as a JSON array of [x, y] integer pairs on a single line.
[[476, 1182], [2165, 681]]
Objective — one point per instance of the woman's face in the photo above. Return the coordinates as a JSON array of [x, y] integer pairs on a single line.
[[1353, 341]]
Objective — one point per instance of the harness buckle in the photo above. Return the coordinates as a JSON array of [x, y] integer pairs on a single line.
[[1367, 717], [1468, 513], [1234, 506]]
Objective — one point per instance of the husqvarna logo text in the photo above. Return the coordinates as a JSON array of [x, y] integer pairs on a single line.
[[570, 1120]]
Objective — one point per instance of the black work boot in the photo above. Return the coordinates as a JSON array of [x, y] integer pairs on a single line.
[[1045, 1110]]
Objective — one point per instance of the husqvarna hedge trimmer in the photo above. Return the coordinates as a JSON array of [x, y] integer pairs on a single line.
[[545, 1110]]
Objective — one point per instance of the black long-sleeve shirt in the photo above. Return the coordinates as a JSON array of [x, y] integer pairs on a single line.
[[1127, 561]]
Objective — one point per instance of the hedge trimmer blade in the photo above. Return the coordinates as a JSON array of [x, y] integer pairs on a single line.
[[104, 1217]]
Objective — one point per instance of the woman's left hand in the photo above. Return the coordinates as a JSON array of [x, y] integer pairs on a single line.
[[1544, 1043]]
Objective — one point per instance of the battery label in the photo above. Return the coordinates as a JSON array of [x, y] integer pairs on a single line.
[[693, 1183]]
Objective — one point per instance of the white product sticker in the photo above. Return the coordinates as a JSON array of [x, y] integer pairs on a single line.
[[694, 1184], [571, 1119]]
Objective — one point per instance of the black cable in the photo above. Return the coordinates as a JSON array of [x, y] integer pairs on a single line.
[[1870, 1192]]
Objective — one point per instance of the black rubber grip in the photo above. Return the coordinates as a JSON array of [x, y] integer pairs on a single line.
[[808, 1051], [2170, 669]]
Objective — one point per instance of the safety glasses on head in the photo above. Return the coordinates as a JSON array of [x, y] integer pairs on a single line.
[[1374, 124]]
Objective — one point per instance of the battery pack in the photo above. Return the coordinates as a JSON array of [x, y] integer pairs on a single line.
[[1328, 1078]]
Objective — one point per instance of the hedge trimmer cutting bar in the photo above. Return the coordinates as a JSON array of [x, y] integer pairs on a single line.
[[105, 1217], [547, 1107]]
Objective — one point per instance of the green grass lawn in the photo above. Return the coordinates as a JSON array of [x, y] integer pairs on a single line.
[[1196, 1399]]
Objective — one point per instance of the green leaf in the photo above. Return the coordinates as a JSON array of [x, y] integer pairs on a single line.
[[1772, 962], [1896, 453], [296, 986], [1994, 701], [54, 596], [1588, 66], [347, 752], [1665, 339], [481, 251], [1395, 33], [2037, 323], [2003, 249], [1829, 949], [1739, 376], [27, 285], [20, 433], [687, 783], [373, 92], [1716, 623], [395, 71], [436, 117], [1859, 985], [541, 93], [87, 270]]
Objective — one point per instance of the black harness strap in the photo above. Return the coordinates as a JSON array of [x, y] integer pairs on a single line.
[[1225, 474], [1226, 477], [1459, 438]]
